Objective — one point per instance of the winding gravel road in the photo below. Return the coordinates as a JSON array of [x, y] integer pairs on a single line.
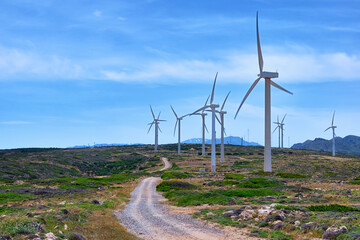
[[146, 217]]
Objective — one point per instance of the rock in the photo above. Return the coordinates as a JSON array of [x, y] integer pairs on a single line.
[[228, 213], [77, 236], [50, 236], [65, 227], [231, 201], [254, 234], [238, 211], [40, 207], [333, 232], [2, 216], [210, 214], [247, 214], [5, 237], [33, 237], [297, 223], [264, 211], [96, 202], [62, 203], [308, 226], [278, 217], [277, 225]]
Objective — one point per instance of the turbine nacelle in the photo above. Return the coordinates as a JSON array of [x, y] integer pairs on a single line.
[[268, 75]]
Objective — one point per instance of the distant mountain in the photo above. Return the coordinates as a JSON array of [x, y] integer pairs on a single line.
[[105, 145], [227, 140], [348, 144]]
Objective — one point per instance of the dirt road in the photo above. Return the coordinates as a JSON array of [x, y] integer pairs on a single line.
[[147, 218], [166, 163]]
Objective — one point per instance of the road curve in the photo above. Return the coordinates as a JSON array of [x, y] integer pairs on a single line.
[[166, 163], [147, 218]]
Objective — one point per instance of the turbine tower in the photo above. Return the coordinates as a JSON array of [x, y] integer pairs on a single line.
[[202, 114], [213, 107], [156, 121], [178, 120], [278, 127], [333, 129], [268, 82], [221, 121]]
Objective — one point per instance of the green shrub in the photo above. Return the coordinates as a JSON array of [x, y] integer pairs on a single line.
[[290, 175], [259, 183], [11, 197], [19, 227], [173, 175], [279, 235], [262, 234], [234, 176], [187, 198], [222, 183], [332, 207], [249, 192], [284, 207], [166, 186]]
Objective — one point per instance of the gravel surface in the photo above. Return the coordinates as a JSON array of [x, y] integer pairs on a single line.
[[147, 218]]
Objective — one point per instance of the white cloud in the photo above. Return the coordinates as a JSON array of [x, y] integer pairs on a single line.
[[97, 13]]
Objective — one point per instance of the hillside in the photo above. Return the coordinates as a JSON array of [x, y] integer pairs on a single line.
[[349, 144], [227, 140]]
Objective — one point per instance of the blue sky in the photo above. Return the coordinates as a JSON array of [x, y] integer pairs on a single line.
[[79, 72]]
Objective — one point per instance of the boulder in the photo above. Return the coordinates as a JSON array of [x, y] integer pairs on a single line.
[[228, 213], [297, 223], [247, 214], [50, 236], [306, 227], [96, 202], [5, 237], [77, 236], [333, 232], [210, 214], [277, 225]]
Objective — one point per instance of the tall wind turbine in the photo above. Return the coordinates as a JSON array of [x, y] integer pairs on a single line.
[[202, 114], [282, 131], [213, 107], [333, 129], [156, 121], [268, 82], [178, 120], [278, 127], [221, 121]]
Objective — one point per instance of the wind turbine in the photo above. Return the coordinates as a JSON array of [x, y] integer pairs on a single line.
[[221, 121], [178, 120], [333, 129], [202, 114], [278, 127], [156, 121], [268, 82], [213, 107], [282, 131]]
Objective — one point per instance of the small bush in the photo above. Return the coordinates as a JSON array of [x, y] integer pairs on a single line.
[[279, 235], [222, 183], [12, 197], [167, 186], [284, 207], [186, 198], [332, 207], [249, 192], [259, 183], [173, 175], [234, 176], [290, 175]]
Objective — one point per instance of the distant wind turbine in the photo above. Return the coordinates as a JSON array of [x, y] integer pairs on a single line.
[[278, 127], [213, 132], [178, 120], [268, 82], [202, 114], [156, 121], [333, 139], [221, 121]]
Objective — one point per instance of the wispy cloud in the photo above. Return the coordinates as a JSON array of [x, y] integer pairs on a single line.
[[15, 122]]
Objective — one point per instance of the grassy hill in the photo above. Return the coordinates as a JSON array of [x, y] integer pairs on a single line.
[[56, 188]]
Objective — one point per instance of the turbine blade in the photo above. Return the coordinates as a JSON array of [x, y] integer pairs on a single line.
[[277, 118], [206, 129], [159, 115], [207, 100], [261, 62], [174, 112], [276, 128], [327, 129], [213, 89], [222, 107], [150, 127], [332, 123], [282, 121], [247, 94], [225, 132], [175, 126], [279, 87], [217, 119], [152, 112], [159, 129], [201, 109]]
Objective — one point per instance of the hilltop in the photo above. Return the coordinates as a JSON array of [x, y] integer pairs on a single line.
[[227, 140], [349, 144]]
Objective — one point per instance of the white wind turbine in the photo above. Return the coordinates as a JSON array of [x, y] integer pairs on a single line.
[[268, 82], [202, 114], [156, 121], [221, 121], [178, 120], [333, 129], [213, 132], [278, 127]]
